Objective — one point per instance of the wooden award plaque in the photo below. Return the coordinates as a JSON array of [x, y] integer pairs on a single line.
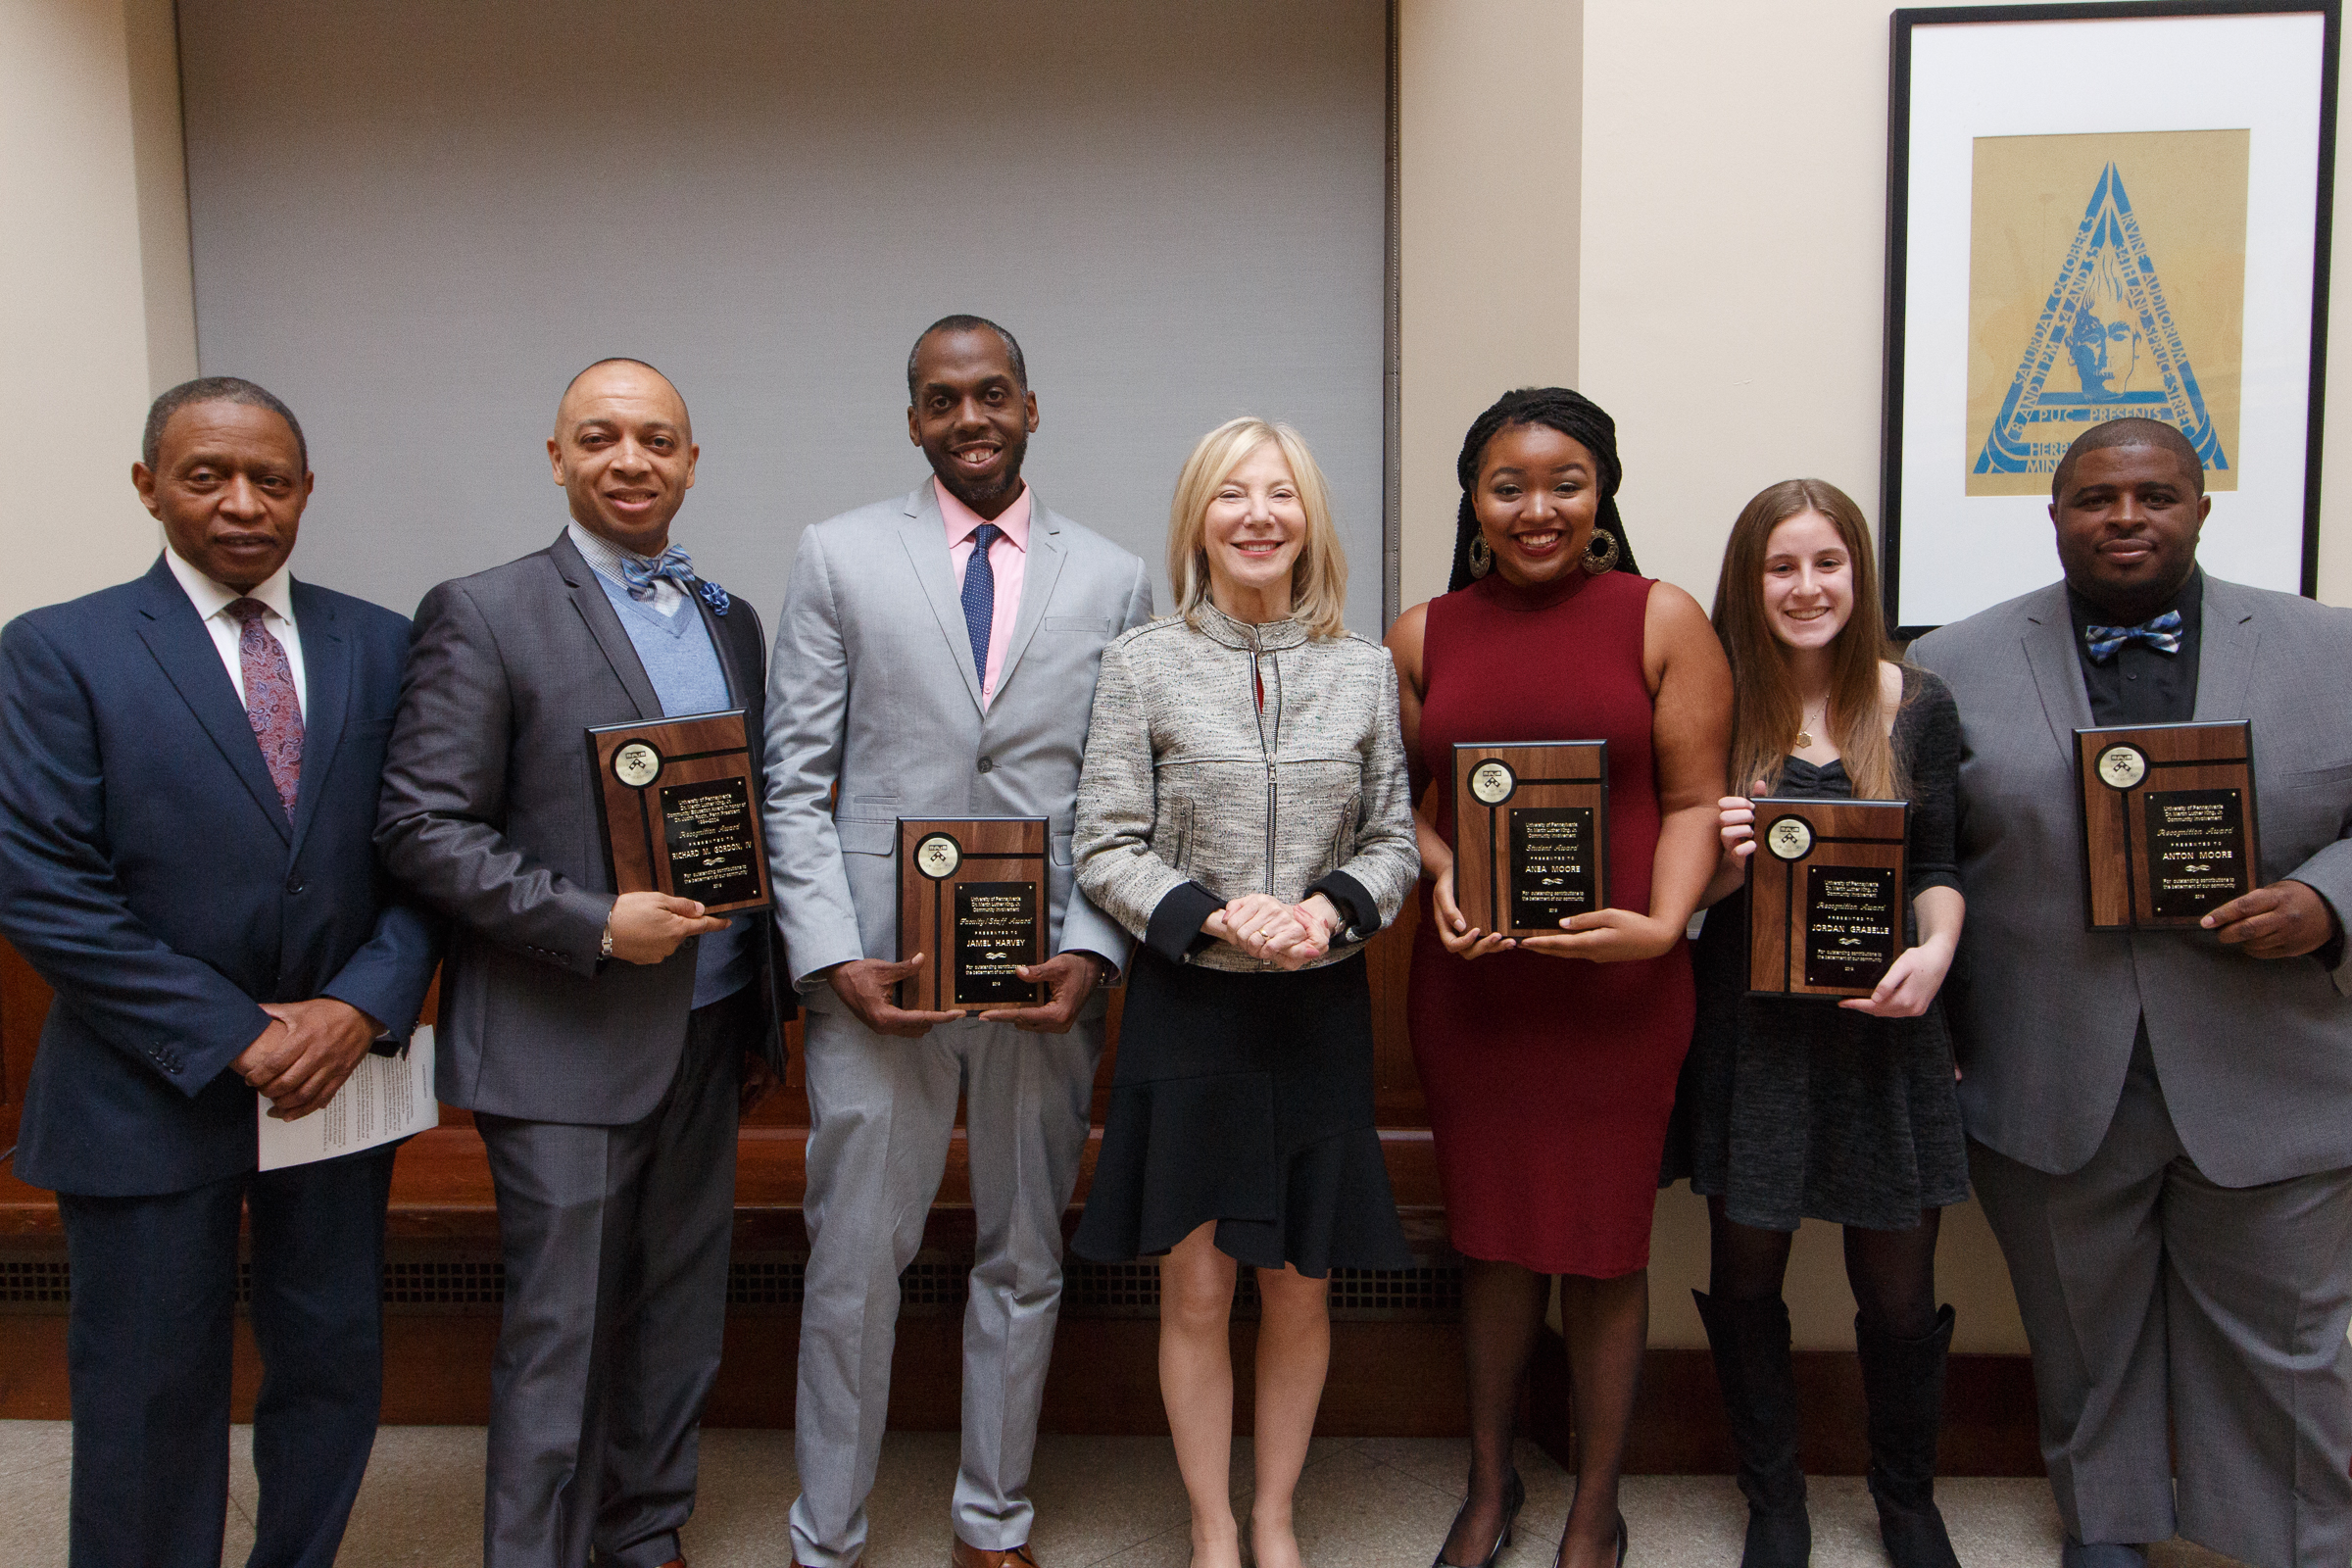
[[1531, 834], [973, 894], [2169, 827], [1826, 895], [680, 804]]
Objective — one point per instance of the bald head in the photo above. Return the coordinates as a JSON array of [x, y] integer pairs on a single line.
[[624, 453], [625, 377]]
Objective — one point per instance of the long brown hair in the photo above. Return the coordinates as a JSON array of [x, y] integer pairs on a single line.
[[1765, 709]]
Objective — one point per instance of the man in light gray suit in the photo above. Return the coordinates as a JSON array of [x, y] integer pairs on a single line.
[[2161, 1121], [936, 656], [599, 1041]]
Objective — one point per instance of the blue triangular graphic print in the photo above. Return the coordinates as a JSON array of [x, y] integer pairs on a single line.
[[2104, 349]]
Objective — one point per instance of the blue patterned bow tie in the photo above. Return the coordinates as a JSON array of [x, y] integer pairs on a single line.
[[639, 574], [2162, 633]]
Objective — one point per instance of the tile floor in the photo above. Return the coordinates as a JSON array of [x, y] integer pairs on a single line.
[[1369, 1502]]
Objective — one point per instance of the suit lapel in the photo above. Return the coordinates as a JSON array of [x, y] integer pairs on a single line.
[[2226, 653], [1039, 573], [743, 684], [191, 662], [925, 533], [2057, 673], [326, 670], [588, 598]]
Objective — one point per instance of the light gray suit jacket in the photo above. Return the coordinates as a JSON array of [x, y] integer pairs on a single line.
[[873, 689], [489, 813], [2255, 1055]]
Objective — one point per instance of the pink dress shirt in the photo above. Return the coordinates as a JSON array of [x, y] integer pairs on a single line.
[[1007, 557]]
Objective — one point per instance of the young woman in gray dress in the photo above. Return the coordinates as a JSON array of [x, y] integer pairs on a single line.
[[1244, 812], [1794, 1109]]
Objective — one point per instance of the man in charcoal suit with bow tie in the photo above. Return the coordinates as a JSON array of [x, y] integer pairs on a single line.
[[2160, 1122], [599, 1041]]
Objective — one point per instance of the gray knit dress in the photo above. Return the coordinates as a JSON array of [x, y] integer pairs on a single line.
[[1791, 1109]]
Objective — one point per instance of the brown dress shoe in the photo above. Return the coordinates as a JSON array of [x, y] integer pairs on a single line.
[[966, 1555]]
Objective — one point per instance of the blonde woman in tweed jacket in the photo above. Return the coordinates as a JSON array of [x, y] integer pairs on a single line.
[[1244, 812]]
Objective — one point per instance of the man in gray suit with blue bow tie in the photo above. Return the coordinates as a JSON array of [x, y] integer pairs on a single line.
[[2160, 1123], [936, 656]]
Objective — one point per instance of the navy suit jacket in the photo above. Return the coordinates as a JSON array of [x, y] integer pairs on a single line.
[[148, 872]]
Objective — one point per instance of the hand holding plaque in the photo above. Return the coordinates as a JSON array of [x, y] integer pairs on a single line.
[[972, 898], [1825, 896], [680, 803], [2167, 819], [1531, 834]]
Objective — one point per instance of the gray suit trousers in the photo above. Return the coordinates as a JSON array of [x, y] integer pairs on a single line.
[[616, 1242], [882, 1111], [2150, 1293]]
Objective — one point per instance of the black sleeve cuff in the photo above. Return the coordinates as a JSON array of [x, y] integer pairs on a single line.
[[1357, 907], [1175, 932]]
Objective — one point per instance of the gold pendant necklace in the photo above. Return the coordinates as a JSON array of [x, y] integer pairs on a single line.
[[1804, 740]]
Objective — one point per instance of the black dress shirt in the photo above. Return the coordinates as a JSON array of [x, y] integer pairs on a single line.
[[2140, 685]]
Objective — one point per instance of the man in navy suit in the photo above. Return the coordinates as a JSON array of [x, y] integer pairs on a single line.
[[189, 766]]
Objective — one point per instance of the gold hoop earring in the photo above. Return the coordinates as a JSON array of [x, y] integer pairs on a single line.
[[1605, 559], [1482, 555]]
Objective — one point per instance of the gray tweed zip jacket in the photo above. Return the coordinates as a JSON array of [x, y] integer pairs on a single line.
[[1194, 793]]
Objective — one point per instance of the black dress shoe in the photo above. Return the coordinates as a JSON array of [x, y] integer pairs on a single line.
[[1514, 1497], [2101, 1554]]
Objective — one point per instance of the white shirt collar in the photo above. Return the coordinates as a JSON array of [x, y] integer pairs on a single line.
[[211, 598]]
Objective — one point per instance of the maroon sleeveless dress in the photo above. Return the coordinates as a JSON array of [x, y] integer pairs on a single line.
[[1549, 1080]]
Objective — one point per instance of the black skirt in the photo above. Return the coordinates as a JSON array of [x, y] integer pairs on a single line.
[[1246, 1100]]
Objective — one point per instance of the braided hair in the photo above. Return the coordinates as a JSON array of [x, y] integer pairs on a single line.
[[1575, 416]]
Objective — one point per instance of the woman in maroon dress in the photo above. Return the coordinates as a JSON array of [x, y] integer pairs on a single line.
[[1549, 1062]]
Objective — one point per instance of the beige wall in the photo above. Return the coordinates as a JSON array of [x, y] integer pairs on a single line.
[[94, 289], [1488, 175]]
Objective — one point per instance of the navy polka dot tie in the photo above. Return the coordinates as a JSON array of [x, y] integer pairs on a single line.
[[980, 596]]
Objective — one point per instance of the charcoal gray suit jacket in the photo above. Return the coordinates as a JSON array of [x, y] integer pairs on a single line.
[[489, 813], [2255, 1055]]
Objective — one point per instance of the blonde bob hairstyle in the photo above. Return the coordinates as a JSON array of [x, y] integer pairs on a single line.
[[1319, 576]]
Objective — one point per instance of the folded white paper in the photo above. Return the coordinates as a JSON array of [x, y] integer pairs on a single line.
[[384, 1098]]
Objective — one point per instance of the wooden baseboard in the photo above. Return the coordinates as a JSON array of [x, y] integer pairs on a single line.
[[1387, 1380]]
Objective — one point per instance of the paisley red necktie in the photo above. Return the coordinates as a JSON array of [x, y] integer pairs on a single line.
[[271, 706]]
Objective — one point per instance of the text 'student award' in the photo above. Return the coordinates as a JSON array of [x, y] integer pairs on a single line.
[[1531, 834], [680, 803], [973, 894], [1825, 896], [2167, 822]]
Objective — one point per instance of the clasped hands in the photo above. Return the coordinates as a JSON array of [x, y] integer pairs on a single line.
[[1288, 936], [299, 1061]]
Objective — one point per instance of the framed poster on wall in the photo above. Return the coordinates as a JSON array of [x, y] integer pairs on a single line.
[[2093, 212]]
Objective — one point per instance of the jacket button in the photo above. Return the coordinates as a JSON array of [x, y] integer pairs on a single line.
[[986, 764], [293, 884]]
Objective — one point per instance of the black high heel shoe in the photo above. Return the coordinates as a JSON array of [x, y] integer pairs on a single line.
[[1557, 1555], [1514, 1497]]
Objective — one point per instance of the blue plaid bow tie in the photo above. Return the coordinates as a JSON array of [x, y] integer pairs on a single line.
[[639, 574], [2163, 633]]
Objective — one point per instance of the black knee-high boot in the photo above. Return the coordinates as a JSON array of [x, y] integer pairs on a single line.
[[1902, 1380], [1751, 1341]]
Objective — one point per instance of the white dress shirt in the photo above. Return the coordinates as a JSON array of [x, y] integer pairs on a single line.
[[212, 601]]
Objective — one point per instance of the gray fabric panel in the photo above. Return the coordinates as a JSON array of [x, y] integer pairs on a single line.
[[414, 221]]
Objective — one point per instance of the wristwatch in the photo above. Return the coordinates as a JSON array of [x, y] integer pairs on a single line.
[[607, 950]]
